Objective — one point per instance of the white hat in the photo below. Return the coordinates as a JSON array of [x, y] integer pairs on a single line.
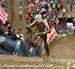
[[21, 35], [68, 16], [22, 38], [63, 10], [17, 35]]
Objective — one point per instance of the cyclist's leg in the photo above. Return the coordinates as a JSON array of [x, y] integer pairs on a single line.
[[46, 47]]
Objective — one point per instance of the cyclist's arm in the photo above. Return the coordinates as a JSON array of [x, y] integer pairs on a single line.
[[32, 23], [46, 24]]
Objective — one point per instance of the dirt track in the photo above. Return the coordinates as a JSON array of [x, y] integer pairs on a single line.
[[64, 48], [62, 53]]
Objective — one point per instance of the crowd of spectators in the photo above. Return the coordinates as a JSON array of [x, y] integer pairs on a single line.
[[48, 12], [4, 4], [51, 10]]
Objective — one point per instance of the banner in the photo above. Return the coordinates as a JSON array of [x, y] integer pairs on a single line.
[[51, 35], [3, 15]]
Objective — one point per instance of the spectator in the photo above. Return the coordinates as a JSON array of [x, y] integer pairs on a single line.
[[1, 29], [20, 12], [71, 5], [20, 1]]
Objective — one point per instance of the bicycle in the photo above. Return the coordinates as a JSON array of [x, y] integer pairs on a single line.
[[42, 46]]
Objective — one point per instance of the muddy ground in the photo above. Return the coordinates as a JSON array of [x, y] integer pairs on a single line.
[[62, 55]]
